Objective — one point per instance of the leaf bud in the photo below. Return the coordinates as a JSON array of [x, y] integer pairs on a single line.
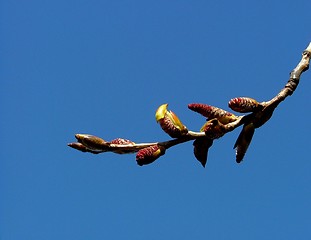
[[92, 142], [78, 146], [82, 148]]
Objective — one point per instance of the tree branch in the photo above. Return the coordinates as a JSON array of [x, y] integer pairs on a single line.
[[219, 122]]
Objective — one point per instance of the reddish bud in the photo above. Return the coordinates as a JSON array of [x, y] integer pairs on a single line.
[[244, 104], [211, 112], [149, 154]]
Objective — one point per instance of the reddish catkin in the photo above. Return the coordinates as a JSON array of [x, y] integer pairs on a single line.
[[211, 112], [168, 126], [149, 154], [244, 104]]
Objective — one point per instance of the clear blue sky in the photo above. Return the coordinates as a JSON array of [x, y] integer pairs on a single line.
[[103, 68]]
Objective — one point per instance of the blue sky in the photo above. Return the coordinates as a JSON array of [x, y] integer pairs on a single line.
[[103, 68]]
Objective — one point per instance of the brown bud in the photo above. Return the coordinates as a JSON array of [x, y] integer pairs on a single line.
[[201, 146], [149, 154], [244, 104], [82, 148], [243, 141], [92, 142], [211, 112], [263, 117], [213, 129], [78, 146]]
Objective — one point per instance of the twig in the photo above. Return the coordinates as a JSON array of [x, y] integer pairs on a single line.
[[219, 122]]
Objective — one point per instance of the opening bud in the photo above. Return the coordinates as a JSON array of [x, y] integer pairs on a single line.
[[169, 122]]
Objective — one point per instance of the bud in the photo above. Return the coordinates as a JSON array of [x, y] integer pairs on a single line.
[[78, 146], [82, 148], [243, 141], [262, 117], [201, 146], [244, 104], [121, 141], [211, 112], [149, 154], [169, 122], [92, 142], [213, 129]]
